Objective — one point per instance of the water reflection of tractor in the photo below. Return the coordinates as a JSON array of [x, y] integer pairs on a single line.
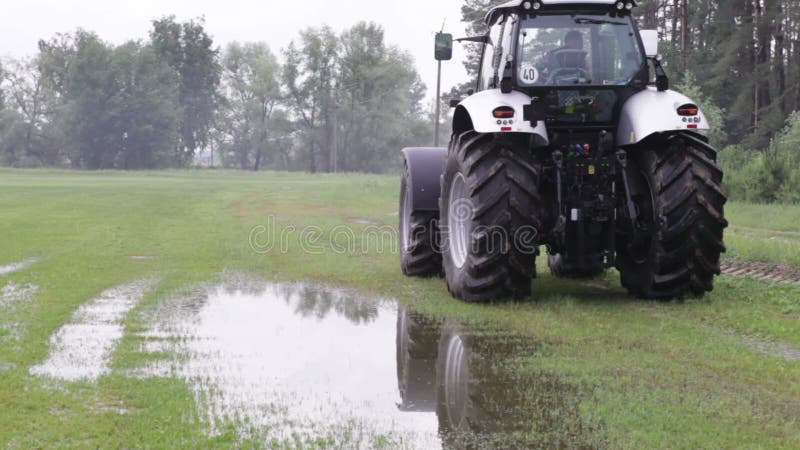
[[566, 143], [458, 373]]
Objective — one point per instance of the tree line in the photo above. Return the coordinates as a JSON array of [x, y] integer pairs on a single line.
[[333, 102]]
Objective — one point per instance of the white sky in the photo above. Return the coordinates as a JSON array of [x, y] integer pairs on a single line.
[[409, 24]]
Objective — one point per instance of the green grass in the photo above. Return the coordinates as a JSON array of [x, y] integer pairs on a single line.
[[643, 374], [764, 232]]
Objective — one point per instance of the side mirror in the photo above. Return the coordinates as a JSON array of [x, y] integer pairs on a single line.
[[444, 47], [454, 102], [650, 41]]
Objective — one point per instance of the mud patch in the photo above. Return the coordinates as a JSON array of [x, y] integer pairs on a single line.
[[9, 268], [288, 361], [775, 349], [81, 349], [761, 271]]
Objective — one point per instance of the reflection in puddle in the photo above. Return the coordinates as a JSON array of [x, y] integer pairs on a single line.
[[80, 350], [284, 363], [288, 361], [7, 269], [465, 375]]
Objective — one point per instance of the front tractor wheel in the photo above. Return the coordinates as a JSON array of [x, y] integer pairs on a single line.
[[489, 217], [674, 249]]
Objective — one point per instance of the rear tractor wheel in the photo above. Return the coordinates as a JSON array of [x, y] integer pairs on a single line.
[[675, 250], [490, 210]]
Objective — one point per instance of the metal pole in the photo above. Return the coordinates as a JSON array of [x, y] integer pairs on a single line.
[[438, 105]]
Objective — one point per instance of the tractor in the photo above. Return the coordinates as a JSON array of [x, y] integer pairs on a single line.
[[571, 141]]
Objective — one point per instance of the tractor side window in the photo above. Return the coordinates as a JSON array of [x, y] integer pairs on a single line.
[[486, 80]]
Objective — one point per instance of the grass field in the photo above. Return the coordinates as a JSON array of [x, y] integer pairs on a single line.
[[717, 372]]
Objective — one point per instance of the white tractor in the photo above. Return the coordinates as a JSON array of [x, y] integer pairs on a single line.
[[566, 143]]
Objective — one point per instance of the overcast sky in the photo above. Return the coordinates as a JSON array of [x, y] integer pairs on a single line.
[[409, 24]]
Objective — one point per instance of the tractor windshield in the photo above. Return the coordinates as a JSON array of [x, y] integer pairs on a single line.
[[579, 49]]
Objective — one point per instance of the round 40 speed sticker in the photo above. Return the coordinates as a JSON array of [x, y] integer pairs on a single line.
[[528, 74]]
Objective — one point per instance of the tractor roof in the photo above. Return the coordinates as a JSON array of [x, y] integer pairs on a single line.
[[516, 3]]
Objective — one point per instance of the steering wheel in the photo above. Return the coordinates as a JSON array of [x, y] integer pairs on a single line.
[[559, 76]]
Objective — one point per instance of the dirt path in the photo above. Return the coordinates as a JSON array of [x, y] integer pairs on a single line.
[[762, 271]]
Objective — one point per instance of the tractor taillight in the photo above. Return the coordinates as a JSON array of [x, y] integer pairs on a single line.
[[688, 110], [503, 112]]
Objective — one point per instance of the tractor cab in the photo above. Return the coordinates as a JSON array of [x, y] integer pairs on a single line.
[[581, 60]]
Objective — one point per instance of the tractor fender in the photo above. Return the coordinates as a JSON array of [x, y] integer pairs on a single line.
[[475, 113], [651, 112], [425, 166]]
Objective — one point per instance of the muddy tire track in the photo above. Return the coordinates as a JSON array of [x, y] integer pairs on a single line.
[[762, 271]]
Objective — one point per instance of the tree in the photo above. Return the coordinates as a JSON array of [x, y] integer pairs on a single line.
[[379, 98], [252, 91], [188, 50], [309, 76], [145, 108], [26, 93]]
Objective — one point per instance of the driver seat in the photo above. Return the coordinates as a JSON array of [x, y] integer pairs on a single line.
[[570, 59]]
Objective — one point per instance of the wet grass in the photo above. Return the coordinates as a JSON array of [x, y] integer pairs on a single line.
[[624, 373]]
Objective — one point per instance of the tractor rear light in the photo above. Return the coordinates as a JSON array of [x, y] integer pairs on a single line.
[[503, 112], [692, 126], [688, 110]]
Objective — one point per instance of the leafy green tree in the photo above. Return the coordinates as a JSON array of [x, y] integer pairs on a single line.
[[188, 50], [309, 76], [379, 98], [89, 92], [26, 95], [252, 91], [145, 108]]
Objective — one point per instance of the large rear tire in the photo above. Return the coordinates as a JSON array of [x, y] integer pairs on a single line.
[[419, 253], [490, 210], [676, 185]]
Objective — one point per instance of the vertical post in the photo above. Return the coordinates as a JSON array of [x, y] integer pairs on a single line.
[[438, 105]]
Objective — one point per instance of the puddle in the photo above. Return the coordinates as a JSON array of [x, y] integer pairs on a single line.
[[13, 295], [285, 362], [9, 268], [362, 221], [81, 349], [142, 257]]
